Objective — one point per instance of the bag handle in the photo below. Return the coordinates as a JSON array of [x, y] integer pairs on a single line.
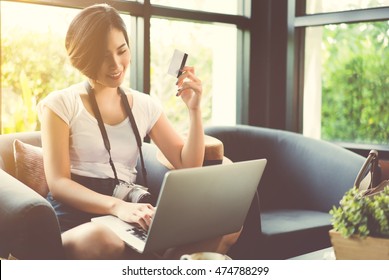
[[368, 169]]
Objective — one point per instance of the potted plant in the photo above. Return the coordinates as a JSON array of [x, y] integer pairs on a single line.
[[361, 226]]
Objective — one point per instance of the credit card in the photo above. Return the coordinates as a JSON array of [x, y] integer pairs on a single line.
[[178, 62]]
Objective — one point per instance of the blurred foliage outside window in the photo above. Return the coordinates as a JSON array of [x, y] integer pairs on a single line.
[[346, 83], [355, 83], [33, 61], [352, 67]]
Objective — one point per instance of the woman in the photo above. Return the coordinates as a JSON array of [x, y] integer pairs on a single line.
[[77, 162]]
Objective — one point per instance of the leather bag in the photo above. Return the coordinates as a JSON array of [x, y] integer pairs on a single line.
[[366, 180]]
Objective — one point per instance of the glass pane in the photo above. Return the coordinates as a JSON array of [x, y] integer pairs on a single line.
[[326, 6], [33, 60], [347, 80], [216, 6], [212, 51]]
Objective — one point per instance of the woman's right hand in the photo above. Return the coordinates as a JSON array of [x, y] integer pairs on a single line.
[[138, 213]]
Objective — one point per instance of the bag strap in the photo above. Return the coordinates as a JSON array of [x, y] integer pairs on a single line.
[[104, 134]]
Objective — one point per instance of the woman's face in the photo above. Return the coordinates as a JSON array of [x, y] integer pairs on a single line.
[[116, 60]]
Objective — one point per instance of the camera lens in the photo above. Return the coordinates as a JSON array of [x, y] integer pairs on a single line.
[[139, 195], [145, 198]]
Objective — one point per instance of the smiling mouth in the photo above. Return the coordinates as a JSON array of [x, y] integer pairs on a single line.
[[115, 75]]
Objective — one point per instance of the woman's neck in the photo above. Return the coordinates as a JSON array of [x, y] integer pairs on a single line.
[[109, 103], [102, 90]]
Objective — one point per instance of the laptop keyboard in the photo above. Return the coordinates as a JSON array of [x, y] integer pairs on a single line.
[[138, 232]]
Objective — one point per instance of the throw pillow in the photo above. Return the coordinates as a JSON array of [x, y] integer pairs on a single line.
[[29, 166]]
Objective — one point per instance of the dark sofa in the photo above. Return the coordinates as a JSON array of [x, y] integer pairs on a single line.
[[302, 180]]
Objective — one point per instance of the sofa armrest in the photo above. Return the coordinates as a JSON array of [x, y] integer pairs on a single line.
[[29, 226]]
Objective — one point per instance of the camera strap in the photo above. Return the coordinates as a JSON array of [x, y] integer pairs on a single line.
[[104, 134], [127, 107]]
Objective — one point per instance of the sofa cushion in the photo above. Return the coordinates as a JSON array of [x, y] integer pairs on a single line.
[[288, 220], [294, 232], [29, 166]]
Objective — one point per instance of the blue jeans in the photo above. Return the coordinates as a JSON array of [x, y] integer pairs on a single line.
[[70, 217]]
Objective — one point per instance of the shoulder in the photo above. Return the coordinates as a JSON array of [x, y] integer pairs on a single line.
[[64, 102], [69, 94], [146, 109], [143, 101]]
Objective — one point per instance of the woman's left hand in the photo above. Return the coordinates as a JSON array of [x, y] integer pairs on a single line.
[[190, 88]]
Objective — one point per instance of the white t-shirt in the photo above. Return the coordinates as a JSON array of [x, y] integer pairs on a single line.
[[88, 156]]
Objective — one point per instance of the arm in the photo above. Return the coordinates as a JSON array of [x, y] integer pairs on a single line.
[[191, 152], [55, 142]]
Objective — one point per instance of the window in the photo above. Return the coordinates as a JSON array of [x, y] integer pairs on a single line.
[[327, 6], [34, 61], [214, 61], [346, 86], [354, 85], [216, 6]]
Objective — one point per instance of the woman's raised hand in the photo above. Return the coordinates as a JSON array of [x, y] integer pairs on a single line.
[[190, 88]]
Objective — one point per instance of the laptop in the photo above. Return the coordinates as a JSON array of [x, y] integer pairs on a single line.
[[195, 204]]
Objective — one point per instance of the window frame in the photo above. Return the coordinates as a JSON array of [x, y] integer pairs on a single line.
[[298, 21]]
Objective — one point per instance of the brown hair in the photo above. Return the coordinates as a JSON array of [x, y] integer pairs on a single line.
[[87, 36]]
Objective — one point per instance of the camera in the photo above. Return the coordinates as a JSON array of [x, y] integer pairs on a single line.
[[132, 193]]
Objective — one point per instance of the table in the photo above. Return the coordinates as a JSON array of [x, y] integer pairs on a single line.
[[323, 254]]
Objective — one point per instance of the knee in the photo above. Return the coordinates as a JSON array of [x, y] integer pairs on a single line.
[[92, 241], [227, 241]]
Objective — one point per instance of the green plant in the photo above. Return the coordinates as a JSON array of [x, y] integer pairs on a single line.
[[362, 216]]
